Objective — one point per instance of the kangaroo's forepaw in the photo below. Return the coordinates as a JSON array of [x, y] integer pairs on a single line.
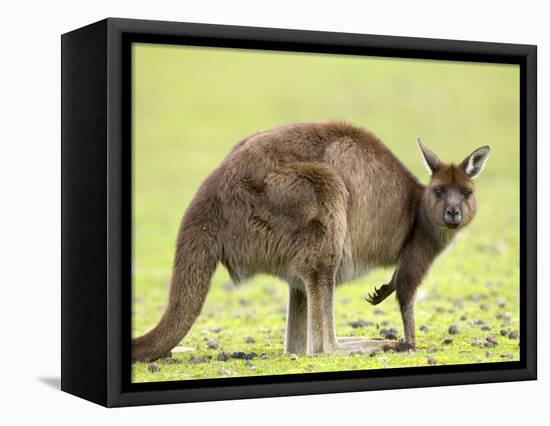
[[380, 294]]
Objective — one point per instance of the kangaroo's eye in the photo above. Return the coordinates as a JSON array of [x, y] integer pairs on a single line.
[[439, 191], [466, 194]]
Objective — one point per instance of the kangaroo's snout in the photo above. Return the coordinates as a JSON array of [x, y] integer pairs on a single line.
[[452, 217]]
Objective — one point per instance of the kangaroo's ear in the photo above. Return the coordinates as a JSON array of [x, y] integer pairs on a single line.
[[473, 164], [430, 159]]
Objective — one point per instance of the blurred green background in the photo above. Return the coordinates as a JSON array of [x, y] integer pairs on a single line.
[[191, 105]]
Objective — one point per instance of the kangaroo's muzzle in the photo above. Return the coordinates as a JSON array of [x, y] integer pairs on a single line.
[[452, 217]]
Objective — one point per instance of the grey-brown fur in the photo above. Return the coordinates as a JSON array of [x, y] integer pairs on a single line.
[[316, 204]]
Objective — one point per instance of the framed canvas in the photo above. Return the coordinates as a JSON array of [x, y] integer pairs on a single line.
[[254, 212]]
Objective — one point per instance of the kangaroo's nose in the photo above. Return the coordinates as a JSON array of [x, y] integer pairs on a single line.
[[452, 212], [452, 216]]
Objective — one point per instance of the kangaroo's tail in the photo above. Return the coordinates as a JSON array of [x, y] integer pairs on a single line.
[[195, 262]]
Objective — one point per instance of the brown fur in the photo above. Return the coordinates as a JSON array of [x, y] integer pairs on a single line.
[[316, 204]]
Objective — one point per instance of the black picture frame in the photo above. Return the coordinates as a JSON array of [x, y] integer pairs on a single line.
[[96, 211]]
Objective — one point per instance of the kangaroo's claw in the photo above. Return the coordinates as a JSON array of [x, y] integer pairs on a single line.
[[380, 294]]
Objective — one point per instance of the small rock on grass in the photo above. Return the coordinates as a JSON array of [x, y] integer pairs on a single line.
[[171, 360], [389, 333], [293, 357], [243, 355], [423, 328], [199, 359], [212, 344], [250, 339], [248, 363], [153, 367], [431, 360], [447, 341], [222, 356], [492, 339], [453, 329], [360, 323], [504, 332], [486, 327], [513, 335]]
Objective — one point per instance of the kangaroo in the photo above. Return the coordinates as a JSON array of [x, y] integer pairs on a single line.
[[315, 204]]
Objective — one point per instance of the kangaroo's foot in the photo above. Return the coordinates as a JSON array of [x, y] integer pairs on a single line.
[[348, 345], [349, 339]]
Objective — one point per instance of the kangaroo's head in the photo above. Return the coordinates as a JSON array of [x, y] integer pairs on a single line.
[[449, 198]]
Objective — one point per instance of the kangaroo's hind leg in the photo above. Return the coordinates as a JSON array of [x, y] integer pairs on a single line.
[[321, 334], [309, 201], [296, 323]]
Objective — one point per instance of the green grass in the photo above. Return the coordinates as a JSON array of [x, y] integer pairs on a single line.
[[191, 105]]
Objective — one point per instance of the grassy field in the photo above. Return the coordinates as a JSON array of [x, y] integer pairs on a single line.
[[191, 105]]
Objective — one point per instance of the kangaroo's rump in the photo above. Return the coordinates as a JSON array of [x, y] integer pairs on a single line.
[[274, 202]]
